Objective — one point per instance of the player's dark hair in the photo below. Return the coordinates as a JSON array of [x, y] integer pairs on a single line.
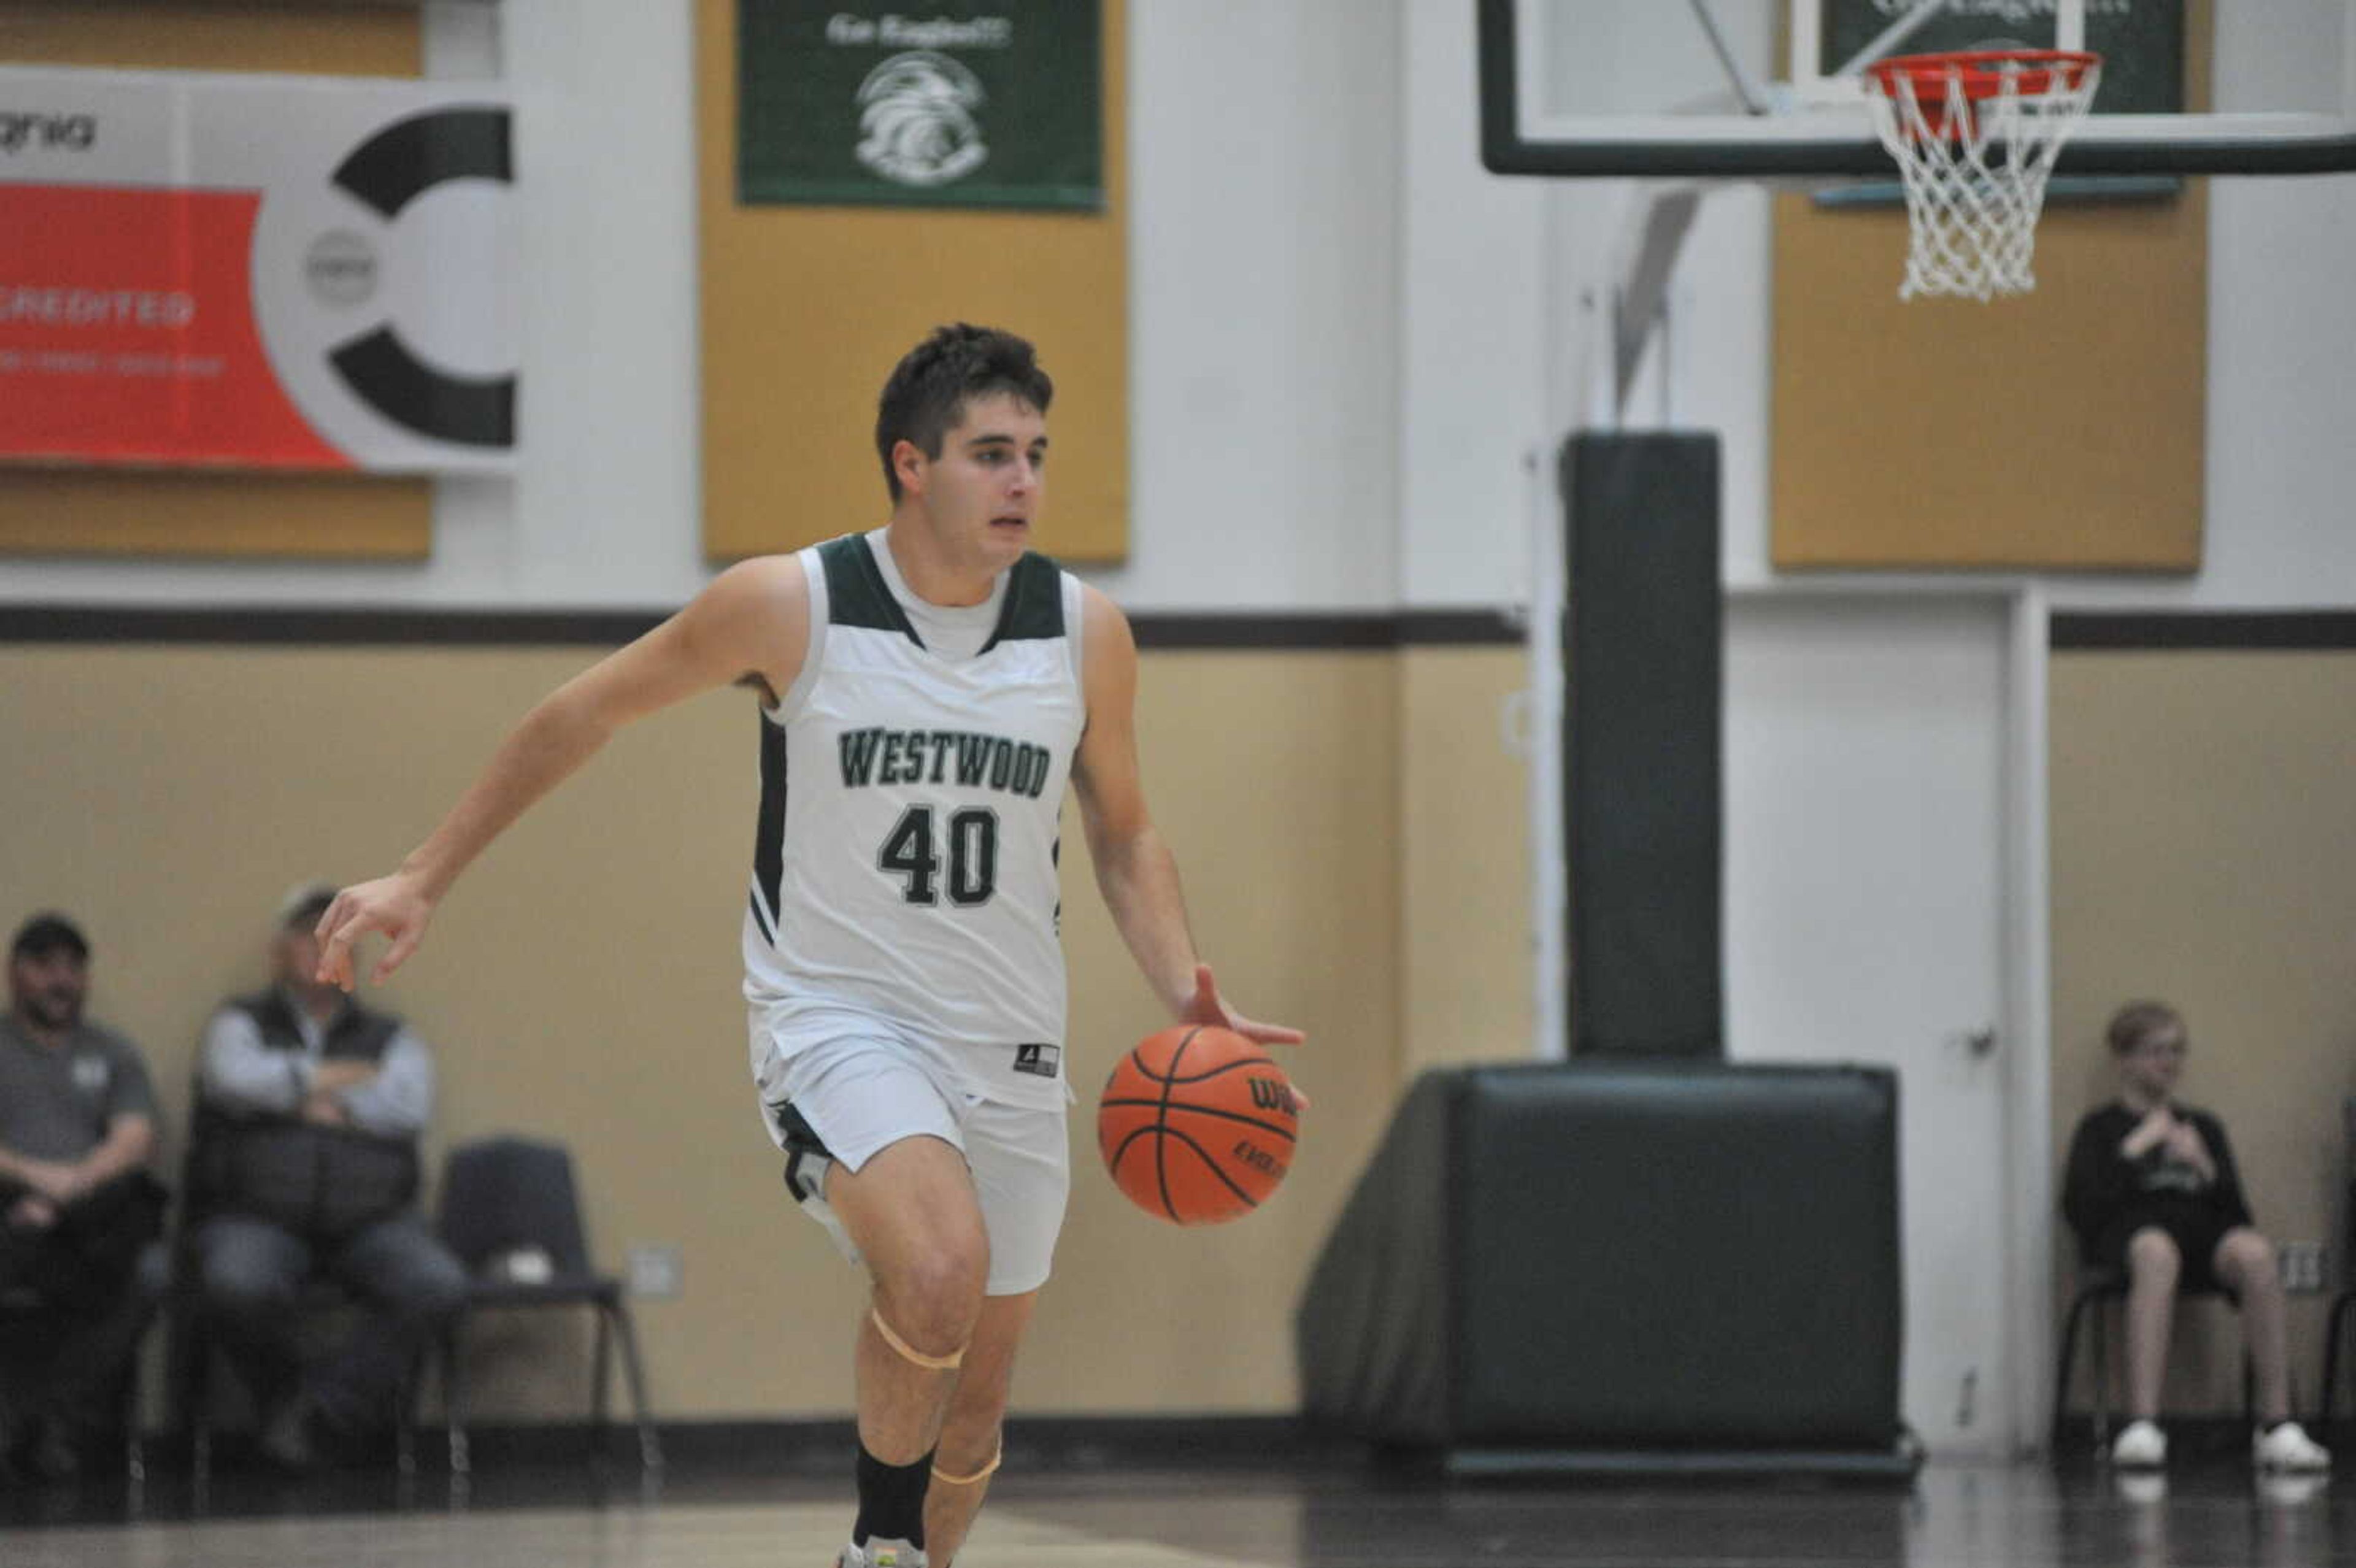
[[928, 390], [2138, 1022]]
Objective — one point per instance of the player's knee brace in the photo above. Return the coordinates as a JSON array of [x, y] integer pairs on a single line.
[[997, 1454], [908, 1353]]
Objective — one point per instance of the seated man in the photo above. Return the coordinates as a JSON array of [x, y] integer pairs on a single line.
[[78, 1205], [2152, 1192], [310, 1107]]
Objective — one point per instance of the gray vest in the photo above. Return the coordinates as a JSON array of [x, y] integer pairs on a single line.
[[323, 1183]]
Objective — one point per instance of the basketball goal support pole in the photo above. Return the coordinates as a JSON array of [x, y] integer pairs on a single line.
[[1625, 325], [1641, 303]]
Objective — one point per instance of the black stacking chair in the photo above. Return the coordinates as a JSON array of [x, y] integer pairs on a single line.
[[506, 1195], [27, 1322], [2343, 1305], [2100, 1290]]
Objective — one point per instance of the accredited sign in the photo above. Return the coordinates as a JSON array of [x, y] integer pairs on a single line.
[[255, 271]]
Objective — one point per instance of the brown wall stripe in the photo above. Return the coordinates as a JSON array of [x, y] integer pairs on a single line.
[[272, 626], [2245, 631]]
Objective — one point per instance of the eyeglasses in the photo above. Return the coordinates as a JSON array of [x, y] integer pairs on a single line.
[[2163, 1048]]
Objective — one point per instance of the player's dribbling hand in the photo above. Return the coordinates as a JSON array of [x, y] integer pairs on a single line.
[[387, 906], [1207, 1006]]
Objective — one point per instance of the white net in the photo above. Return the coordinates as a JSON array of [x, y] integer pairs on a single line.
[[1974, 145]]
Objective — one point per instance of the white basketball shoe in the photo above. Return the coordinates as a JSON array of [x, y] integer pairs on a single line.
[[2140, 1445], [2288, 1449]]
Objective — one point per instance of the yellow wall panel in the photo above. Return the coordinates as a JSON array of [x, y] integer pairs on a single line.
[[2062, 429], [1465, 876], [213, 35]]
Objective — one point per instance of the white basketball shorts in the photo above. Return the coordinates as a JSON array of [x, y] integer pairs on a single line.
[[842, 1100]]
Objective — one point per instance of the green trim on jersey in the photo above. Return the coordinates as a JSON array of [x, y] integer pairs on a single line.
[[1035, 603], [857, 595], [769, 839]]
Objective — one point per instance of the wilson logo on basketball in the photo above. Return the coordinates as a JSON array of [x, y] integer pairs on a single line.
[[1272, 1094]]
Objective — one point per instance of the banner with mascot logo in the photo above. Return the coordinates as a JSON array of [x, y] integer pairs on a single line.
[[255, 272], [977, 103]]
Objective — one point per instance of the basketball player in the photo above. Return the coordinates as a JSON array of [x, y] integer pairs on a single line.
[[928, 690]]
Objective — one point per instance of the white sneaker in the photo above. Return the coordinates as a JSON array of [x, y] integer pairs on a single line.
[[881, 1554], [2142, 1445], [2288, 1447]]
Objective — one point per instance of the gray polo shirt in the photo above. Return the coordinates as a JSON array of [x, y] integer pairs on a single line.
[[56, 1103]]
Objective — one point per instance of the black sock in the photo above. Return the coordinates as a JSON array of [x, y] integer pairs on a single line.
[[891, 1500]]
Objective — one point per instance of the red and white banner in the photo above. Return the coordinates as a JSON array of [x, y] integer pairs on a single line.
[[255, 272]]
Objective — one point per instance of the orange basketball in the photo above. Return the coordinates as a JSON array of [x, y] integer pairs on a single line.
[[1196, 1125]]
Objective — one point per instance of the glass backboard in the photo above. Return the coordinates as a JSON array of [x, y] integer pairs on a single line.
[[1769, 89]]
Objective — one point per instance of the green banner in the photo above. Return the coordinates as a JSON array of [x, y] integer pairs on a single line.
[[996, 104]]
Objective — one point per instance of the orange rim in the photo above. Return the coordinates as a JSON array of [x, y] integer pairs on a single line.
[[1983, 72]]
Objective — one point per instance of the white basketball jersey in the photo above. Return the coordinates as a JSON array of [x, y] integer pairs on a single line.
[[904, 876]]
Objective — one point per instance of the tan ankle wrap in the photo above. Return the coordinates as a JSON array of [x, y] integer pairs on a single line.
[[981, 1475]]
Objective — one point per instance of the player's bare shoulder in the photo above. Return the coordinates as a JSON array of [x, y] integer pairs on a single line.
[[1108, 688], [756, 618], [1108, 647]]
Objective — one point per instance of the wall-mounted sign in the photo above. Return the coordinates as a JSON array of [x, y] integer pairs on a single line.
[[255, 271], [997, 104]]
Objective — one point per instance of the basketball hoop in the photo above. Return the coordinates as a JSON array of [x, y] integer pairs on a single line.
[[1974, 135]]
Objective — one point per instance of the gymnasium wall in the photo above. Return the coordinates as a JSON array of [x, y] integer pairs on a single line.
[[1298, 172], [1263, 377], [2204, 853], [2281, 324], [2277, 472], [582, 983], [172, 791], [1344, 340]]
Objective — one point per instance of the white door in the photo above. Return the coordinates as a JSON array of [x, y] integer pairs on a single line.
[[1866, 755]]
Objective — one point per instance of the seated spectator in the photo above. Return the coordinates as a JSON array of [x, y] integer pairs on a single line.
[[2152, 1192], [78, 1204], [310, 1109]]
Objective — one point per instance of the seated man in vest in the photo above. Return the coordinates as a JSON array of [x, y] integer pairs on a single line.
[[310, 1108], [80, 1268]]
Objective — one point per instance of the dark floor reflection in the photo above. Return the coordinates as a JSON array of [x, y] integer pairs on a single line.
[[1317, 1512]]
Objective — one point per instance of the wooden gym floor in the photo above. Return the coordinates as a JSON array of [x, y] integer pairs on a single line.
[[1312, 1513]]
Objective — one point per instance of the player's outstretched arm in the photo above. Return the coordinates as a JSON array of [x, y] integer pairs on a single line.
[[1136, 872], [750, 623]]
